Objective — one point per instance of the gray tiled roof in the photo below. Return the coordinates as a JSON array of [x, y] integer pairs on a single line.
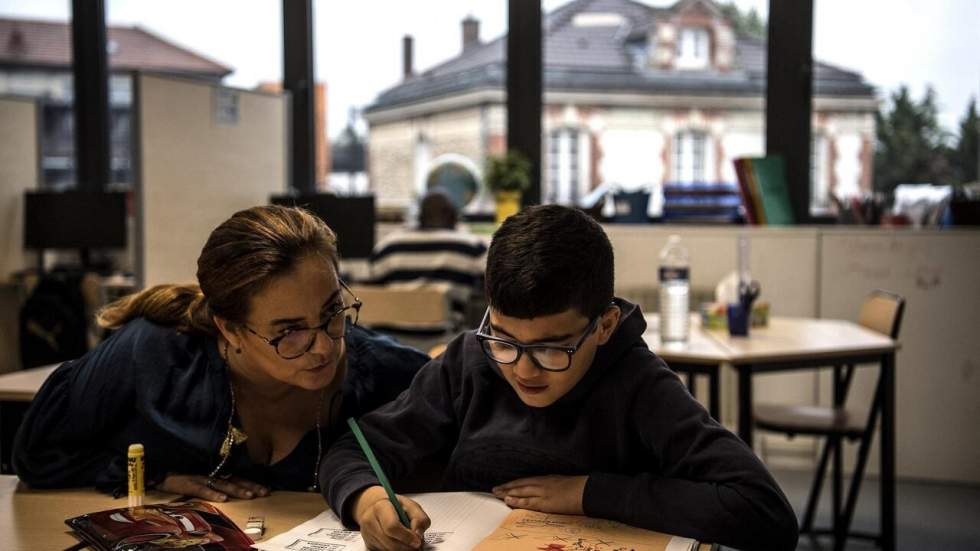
[[33, 43], [600, 58]]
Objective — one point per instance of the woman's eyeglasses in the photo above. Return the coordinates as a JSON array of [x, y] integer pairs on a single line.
[[298, 341]]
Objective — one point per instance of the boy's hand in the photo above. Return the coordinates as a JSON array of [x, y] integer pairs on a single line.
[[380, 526], [548, 494]]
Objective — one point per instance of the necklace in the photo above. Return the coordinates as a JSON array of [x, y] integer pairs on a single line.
[[236, 436]]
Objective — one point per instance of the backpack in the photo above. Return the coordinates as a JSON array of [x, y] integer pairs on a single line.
[[53, 326]]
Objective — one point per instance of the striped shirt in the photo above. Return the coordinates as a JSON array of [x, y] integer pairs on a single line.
[[450, 258]]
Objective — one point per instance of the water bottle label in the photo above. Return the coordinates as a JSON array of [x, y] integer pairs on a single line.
[[673, 274]]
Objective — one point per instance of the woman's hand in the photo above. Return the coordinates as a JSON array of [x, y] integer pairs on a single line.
[[380, 526], [219, 490], [548, 494]]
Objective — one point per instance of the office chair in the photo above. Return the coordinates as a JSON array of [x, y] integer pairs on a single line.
[[882, 312]]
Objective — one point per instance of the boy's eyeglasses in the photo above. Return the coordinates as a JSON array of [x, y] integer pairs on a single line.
[[546, 356], [298, 341]]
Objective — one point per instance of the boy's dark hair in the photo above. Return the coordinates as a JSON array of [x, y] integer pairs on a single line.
[[547, 259]]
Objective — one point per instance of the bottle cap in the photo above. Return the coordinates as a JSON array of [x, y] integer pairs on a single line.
[[136, 449]]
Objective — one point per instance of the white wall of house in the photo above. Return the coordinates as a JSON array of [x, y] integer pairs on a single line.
[[57, 85], [53, 84], [844, 137], [636, 148], [402, 153], [391, 163]]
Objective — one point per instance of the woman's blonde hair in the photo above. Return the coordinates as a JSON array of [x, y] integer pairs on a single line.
[[240, 257]]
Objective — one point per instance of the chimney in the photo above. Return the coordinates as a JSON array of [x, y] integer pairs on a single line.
[[407, 70], [471, 32], [16, 43]]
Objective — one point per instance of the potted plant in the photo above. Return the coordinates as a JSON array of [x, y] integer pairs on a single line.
[[508, 177]]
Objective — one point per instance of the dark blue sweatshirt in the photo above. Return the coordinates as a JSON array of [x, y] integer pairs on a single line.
[[654, 457]]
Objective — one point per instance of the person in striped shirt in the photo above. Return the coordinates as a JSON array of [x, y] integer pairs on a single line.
[[436, 253]]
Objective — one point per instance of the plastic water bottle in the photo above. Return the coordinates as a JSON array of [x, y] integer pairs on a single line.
[[674, 291]]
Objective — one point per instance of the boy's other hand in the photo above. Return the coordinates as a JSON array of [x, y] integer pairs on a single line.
[[380, 526], [548, 494]]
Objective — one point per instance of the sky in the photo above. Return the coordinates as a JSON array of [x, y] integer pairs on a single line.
[[357, 49]]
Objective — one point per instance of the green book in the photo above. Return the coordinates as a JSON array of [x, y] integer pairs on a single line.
[[770, 177]]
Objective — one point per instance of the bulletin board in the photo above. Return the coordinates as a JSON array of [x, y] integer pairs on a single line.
[[204, 152]]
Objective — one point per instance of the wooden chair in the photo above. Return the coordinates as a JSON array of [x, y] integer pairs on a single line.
[[882, 312], [417, 316]]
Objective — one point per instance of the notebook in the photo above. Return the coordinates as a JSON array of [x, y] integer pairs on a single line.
[[469, 520], [770, 178]]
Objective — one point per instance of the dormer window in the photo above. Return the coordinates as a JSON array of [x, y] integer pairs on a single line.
[[693, 48]]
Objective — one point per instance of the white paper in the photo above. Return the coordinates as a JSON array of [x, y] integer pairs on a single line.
[[460, 520], [678, 543]]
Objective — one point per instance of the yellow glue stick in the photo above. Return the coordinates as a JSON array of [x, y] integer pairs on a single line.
[[135, 470]]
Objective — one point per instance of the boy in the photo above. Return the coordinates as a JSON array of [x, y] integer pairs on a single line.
[[556, 404]]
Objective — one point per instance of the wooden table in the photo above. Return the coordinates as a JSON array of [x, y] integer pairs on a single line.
[[21, 386], [792, 344], [701, 354], [17, 389], [35, 519]]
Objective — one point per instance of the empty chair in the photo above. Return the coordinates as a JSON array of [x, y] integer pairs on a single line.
[[881, 312], [417, 316]]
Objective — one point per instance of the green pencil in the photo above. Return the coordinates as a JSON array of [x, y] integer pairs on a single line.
[[376, 467]]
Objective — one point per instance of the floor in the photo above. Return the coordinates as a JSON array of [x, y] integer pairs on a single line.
[[931, 516]]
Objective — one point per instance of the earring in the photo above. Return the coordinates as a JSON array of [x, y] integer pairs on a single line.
[[238, 350]]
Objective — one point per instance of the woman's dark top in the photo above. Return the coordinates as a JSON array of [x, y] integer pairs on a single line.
[[170, 392]]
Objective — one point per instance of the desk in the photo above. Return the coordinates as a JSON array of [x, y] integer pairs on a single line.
[[21, 386], [700, 354], [35, 519], [791, 344], [17, 389]]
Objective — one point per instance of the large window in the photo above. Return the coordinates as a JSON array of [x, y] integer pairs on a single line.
[[568, 166], [690, 157], [57, 145], [419, 127]]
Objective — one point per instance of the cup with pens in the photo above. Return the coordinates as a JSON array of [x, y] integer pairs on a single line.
[[740, 312]]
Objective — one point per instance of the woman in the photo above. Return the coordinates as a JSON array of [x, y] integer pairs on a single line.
[[235, 387]]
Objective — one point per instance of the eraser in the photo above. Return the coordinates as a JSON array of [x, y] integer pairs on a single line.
[[255, 526]]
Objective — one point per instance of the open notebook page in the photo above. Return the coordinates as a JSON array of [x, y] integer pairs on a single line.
[[460, 520], [465, 520]]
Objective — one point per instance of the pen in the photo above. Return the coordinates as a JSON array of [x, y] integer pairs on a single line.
[[376, 467], [134, 468]]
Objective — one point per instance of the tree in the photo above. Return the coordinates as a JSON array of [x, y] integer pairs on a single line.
[[745, 23], [965, 157], [912, 147]]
